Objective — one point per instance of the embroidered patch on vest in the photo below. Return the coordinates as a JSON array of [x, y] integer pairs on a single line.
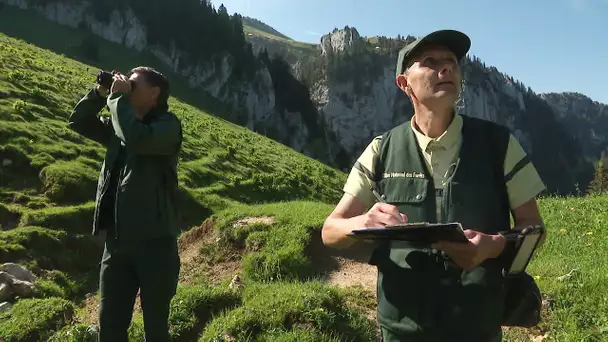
[[403, 175]]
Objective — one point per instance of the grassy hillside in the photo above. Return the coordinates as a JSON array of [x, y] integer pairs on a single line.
[[255, 25], [276, 43], [278, 38], [251, 207]]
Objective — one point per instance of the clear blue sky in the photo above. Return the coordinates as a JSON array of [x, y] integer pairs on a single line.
[[549, 45]]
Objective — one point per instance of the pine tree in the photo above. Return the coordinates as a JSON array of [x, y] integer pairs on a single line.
[[599, 184]]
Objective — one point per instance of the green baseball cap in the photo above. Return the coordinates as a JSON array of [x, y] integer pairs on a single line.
[[456, 41]]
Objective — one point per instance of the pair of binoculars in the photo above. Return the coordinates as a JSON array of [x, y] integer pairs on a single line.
[[106, 79]]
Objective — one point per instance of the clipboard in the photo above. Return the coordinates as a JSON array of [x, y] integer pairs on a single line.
[[421, 232]]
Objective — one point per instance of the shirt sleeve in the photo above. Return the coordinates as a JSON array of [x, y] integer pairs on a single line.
[[523, 181], [358, 182]]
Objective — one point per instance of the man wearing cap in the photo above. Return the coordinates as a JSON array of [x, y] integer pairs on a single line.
[[439, 167]]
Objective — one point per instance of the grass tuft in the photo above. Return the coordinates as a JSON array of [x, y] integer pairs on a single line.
[[35, 319], [289, 308]]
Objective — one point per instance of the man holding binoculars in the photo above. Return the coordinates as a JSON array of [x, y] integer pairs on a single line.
[[135, 200]]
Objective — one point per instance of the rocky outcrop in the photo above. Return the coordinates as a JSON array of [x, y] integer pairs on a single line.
[[121, 27], [340, 40], [18, 272], [585, 118], [16, 281], [356, 117], [5, 306]]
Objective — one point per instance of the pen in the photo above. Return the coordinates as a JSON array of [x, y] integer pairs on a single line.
[[381, 200], [378, 197], [369, 177]]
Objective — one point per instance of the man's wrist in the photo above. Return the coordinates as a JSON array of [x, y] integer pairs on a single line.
[[499, 242], [101, 92]]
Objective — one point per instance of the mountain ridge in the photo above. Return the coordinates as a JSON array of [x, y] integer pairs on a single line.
[[374, 39]]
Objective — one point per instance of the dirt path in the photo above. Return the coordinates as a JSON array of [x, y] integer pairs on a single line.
[[343, 267], [353, 273]]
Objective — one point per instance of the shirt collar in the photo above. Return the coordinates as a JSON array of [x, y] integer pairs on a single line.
[[449, 138]]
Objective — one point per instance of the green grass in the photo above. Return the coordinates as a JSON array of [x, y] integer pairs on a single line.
[[34, 319], [290, 50], [278, 251], [251, 23], [194, 306], [261, 33], [46, 249], [227, 173], [288, 310], [577, 240]]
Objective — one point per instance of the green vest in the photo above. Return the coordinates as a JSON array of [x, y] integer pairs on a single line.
[[422, 295]]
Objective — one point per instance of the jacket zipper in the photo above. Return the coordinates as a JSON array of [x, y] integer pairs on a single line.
[[104, 189], [116, 208], [117, 190]]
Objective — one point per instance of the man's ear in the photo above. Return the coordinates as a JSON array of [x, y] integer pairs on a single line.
[[155, 93], [402, 82]]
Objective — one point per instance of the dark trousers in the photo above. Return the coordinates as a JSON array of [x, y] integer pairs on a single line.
[[152, 266], [389, 336]]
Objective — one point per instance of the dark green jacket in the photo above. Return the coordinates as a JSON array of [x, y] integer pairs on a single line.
[[422, 295], [144, 199]]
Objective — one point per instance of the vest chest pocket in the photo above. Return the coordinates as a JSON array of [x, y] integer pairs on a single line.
[[402, 190], [409, 195]]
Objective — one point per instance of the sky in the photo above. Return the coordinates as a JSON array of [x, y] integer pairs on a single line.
[[548, 45]]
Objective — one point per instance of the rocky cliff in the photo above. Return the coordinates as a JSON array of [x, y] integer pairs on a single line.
[[585, 118], [329, 101]]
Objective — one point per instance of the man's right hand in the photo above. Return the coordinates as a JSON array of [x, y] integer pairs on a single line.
[[350, 213], [383, 214]]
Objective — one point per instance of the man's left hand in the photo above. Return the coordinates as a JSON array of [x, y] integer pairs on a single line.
[[479, 248], [121, 84]]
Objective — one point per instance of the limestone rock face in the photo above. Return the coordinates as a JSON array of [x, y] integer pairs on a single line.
[[340, 40]]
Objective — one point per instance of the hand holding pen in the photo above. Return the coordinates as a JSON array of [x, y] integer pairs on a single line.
[[383, 214]]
